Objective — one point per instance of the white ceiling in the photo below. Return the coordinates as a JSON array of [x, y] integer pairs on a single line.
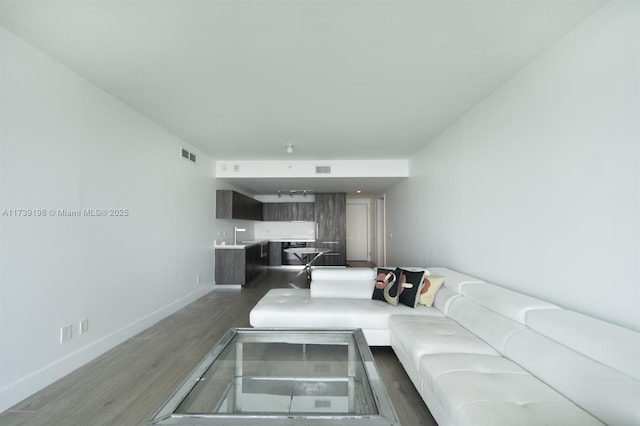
[[349, 79]]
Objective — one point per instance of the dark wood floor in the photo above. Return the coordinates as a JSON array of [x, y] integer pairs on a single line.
[[126, 385]]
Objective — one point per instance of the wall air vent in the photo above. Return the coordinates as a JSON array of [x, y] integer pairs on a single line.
[[188, 155], [323, 170], [322, 403]]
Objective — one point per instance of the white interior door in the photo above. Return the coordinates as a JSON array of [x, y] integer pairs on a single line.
[[358, 231]]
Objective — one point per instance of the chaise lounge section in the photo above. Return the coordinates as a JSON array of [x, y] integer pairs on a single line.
[[483, 354]]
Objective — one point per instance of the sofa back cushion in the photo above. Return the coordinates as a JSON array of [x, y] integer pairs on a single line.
[[342, 283], [343, 274], [609, 344], [488, 325], [593, 363], [506, 302], [340, 289], [453, 280], [444, 298], [493, 313], [608, 394]]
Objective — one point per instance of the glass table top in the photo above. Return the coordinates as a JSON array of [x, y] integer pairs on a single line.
[[282, 376]]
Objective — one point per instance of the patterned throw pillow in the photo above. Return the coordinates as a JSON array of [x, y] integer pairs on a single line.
[[410, 286], [386, 282], [392, 291], [430, 287]]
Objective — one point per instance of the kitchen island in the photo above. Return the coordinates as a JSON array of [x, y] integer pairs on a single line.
[[239, 264]]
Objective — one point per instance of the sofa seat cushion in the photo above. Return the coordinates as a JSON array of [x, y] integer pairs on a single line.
[[432, 366], [296, 309], [477, 389], [418, 336], [535, 413]]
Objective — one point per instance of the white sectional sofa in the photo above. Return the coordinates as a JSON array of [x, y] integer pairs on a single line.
[[483, 354]]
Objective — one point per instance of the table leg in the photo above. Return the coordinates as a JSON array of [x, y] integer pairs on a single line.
[[304, 259]]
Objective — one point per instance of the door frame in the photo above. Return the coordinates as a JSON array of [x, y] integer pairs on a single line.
[[370, 232], [380, 237]]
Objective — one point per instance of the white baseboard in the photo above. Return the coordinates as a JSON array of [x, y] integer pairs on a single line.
[[39, 379]]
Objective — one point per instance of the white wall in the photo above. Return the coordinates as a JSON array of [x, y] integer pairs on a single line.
[[65, 144], [538, 187]]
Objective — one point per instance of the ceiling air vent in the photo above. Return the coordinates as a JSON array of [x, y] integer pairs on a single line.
[[323, 169], [188, 155]]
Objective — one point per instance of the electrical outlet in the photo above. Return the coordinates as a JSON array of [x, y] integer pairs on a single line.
[[197, 279], [65, 333], [83, 327]]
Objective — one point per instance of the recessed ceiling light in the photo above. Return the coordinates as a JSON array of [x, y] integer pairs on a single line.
[[358, 192]]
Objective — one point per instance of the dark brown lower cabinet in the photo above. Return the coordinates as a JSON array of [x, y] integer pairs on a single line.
[[275, 253], [241, 266], [337, 255]]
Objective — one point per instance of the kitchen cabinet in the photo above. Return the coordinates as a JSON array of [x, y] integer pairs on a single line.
[[288, 212], [275, 253], [306, 212], [230, 266], [234, 205], [241, 265], [331, 217], [276, 212], [252, 263]]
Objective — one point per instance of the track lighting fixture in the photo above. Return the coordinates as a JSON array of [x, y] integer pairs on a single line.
[[293, 192]]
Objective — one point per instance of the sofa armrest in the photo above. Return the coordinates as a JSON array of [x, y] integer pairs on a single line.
[[342, 289]]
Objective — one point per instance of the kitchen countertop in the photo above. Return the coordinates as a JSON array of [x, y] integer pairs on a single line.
[[240, 245], [243, 244], [292, 240]]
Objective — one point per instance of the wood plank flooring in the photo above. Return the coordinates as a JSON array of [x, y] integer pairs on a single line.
[[126, 385]]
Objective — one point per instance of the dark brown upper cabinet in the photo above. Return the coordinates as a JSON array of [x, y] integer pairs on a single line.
[[234, 205], [288, 212]]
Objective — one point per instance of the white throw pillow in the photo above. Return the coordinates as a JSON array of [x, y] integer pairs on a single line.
[[430, 286]]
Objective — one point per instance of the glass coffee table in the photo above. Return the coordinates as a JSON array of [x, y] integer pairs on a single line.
[[274, 377]]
